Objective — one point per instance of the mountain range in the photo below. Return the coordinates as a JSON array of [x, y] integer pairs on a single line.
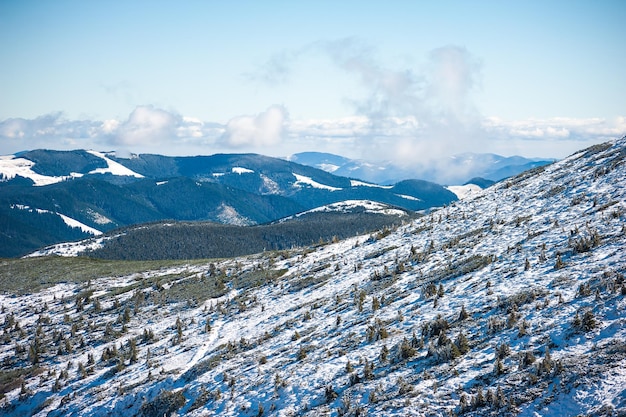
[[509, 302], [459, 169], [49, 196]]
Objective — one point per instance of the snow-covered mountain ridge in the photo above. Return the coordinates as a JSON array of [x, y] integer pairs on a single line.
[[103, 192], [510, 302]]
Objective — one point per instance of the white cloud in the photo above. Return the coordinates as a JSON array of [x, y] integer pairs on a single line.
[[146, 125], [404, 139], [264, 129]]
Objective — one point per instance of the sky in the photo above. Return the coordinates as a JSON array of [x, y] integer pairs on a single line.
[[406, 81]]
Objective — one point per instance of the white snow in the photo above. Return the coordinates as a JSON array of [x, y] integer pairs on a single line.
[[304, 180], [71, 249], [356, 183], [464, 191], [347, 205], [408, 197], [329, 167], [240, 170], [10, 167], [75, 223], [68, 220], [98, 218], [229, 215], [113, 167]]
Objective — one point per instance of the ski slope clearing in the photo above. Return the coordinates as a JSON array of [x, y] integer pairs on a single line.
[[510, 302]]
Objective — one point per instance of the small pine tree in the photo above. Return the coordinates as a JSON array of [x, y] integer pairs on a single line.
[[463, 314], [126, 316], [500, 398], [463, 403], [462, 343], [330, 394], [406, 350], [589, 321], [179, 330], [384, 353], [546, 363], [559, 262], [498, 367], [349, 367], [81, 370], [302, 353], [133, 351], [368, 370], [479, 399], [375, 303]]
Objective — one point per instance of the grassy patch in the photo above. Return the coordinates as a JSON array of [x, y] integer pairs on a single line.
[[26, 275]]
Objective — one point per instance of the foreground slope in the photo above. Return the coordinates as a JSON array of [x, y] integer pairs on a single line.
[[511, 302]]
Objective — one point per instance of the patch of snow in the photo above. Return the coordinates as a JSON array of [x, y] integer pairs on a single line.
[[329, 167], [161, 182], [408, 197], [465, 191], [301, 179], [10, 167], [269, 185], [356, 183], [240, 170], [76, 224], [98, 218], [228, 215], [349, 205], [113, 167], [66, 219], [71, 249]]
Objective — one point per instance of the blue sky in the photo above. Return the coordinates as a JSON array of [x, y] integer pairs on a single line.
[[407, 80]]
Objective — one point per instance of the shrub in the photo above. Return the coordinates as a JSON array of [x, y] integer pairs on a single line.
[[164, 404]]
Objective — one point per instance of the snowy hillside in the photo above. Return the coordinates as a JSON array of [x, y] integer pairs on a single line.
[[508, 302], [12, 166]]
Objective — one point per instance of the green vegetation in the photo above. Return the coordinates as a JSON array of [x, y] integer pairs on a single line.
[[32, 274]]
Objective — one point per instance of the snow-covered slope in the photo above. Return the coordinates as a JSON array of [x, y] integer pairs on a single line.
[[349, 206], [12, 166], [464, 191], [509, 302]]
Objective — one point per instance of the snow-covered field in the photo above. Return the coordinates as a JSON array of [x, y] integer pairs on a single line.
[[508, 302]]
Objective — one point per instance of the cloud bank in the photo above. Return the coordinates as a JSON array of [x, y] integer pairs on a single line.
[[149, 129]]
